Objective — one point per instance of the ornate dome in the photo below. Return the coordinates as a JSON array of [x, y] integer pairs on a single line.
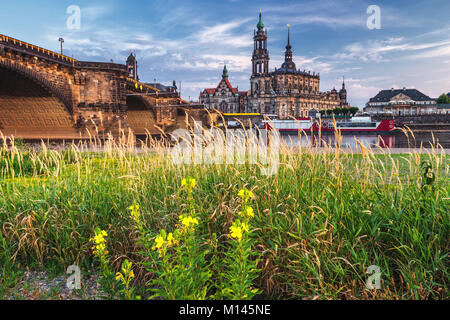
[[131, 58], [289, 66], [260, 24]]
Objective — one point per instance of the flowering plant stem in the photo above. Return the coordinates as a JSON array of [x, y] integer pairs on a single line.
[[240, 272]]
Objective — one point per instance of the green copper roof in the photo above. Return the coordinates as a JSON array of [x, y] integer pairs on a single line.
[[260, 24], [225, 72]]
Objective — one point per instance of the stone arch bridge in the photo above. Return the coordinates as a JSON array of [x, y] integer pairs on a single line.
[[46, 95]]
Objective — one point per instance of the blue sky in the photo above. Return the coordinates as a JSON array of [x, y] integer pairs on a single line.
[[190, 41]]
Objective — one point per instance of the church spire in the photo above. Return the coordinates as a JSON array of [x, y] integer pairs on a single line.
[[225, 72], [260, 24], [343, 94], [289, 47], [288, 53]]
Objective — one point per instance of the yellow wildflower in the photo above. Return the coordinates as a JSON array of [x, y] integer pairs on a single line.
[[119, 276], [236, 232], [134, 207], [171, 240], [245, 194], [189, 183], [248, 212], [125, 277], [159, 242], [238, 229], [99, 247], [135, 214], [188, 221]]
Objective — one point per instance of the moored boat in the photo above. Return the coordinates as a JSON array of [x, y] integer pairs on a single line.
[[356, 124], [289, 126]]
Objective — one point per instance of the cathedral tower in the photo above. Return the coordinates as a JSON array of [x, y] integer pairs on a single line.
[[260, 60], [343, 95], [132, 66], [261, 84]]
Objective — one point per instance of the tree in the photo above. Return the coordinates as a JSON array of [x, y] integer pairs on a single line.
[[353, 110], [443, 99]]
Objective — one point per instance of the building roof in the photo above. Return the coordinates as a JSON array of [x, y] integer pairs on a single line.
[[303, 73], [210, 91], [131, 58], [387, 95], [443, 106], [288, 67], [233, 90], [214, 90]]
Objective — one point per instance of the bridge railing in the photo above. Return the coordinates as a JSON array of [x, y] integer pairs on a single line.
[[146, 86], [101, 65], [27, 47], [133, 82], [32, 48]]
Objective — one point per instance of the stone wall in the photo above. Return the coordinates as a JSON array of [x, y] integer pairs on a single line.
[[417, 119]]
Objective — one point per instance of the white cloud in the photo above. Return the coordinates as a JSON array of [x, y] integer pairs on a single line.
[[221, 35], [361, 91], [444, 51], [331, 14], [95, 12], [383, 50], [330, 21]]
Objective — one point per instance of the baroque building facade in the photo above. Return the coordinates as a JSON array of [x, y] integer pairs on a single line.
[[224, 97], [286, 92], [401, 102]]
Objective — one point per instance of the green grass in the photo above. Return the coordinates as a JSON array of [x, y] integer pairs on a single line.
[[321, 221]]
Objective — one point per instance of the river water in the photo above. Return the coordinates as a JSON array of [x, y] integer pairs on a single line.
[[392, 140], [395, 141]]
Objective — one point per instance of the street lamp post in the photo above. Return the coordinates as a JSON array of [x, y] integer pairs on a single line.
[[62, 41]]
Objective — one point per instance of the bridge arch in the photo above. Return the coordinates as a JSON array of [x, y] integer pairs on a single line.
[[66, 99], [141, 116], [138, 102], [30, 111]]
